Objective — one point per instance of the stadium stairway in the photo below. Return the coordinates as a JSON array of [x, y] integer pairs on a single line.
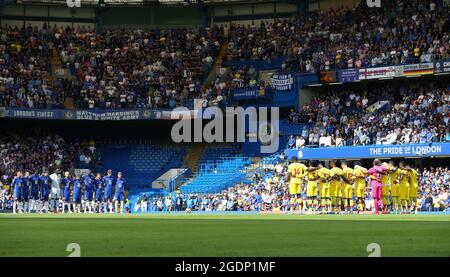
[[56, 64], [217, 176], [141, 163], [219, 59], [69, 104], [194, 155], [55, 60], [220, 166], [216, 67]]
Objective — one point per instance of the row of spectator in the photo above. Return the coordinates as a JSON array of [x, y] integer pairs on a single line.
[[349, 37], [269, 192], [40, 150], [412, 113]]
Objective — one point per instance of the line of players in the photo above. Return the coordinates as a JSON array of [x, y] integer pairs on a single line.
[[87, 193], [336, 186]]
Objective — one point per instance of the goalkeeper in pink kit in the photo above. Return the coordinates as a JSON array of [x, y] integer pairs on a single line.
[[375, 179]]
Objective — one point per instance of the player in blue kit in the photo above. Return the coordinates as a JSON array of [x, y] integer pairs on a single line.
[[120, 190], [77, 193], [67, 188], [34, 185], [88, 181], [26, 191], [109, 193], [98, 183], [45, 182], [16, 185]]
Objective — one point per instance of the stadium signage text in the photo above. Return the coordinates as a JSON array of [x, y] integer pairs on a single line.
[[353, 74], [82, 114], [370, 152], [418, 69], [406, 150], [119, 115], [442, 66], [282, 82], [248, 93], [349, 75], [380, 72], [328, 76], [32, 114]]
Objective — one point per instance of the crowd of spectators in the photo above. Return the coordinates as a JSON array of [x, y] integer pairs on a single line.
[[258, 195], [397, 33], [25, 70], [112, 69], [415, 113], [166, 68], [125, 69], [19, 152], [230, 79], [40, 151], [269, 192], [434, 192]]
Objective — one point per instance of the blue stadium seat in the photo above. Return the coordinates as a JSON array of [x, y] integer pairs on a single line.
[[142, 163], [216, 176]]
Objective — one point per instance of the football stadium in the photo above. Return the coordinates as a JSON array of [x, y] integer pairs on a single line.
[[224, 128]]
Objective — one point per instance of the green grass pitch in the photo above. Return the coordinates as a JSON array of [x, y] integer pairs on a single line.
[[259, 235]]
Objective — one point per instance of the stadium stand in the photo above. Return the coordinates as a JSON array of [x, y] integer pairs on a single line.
[[166, 68], [217, 175], [39, 151], [266, 191], [117, 69], [25, 79], [412, 113], [160, 69], [143, 163], [343, 37], [213, 153]]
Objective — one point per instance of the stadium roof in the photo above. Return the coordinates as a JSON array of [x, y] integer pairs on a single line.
[[137, 2]]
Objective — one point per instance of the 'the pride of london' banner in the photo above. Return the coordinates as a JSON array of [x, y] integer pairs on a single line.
[[371, 152]]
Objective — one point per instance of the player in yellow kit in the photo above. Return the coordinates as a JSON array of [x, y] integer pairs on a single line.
[[393, 181], [297, 172], [346, 186], [403, 189], [324, 177], [312, 176], [360, 173], [335, 186], [385, 188], [413, 189]]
